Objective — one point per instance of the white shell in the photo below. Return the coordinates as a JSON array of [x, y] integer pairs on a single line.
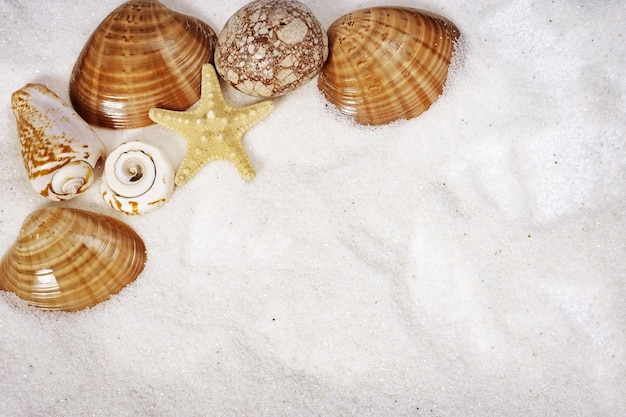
[[60, 150], [137, 178]]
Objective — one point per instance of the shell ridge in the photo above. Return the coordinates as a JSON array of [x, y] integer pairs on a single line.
[[387, 63], [142, 55], [70, 259]]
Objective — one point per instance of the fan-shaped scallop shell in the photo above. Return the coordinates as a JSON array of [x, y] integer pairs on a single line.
[[387, 63], [143, 55], [138, 178], [69, 259], [60, 150]]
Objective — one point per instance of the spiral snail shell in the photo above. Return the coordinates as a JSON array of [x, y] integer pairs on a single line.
[[137, 178], [70, 259], [387, 63], [60, 150], [143, 55]]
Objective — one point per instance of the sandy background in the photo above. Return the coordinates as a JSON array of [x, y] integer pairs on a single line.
[[468, 262]]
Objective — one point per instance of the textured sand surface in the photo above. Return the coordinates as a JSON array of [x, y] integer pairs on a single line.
[[468, 262]]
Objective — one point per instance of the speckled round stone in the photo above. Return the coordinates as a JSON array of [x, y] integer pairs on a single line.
[[271, 47]]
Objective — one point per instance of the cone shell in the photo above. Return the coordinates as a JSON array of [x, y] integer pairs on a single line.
[[387, 63], [60, 150], [69, 259], [143, 55]]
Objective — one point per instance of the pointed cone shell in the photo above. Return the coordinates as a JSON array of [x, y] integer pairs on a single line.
[[60, 150], [69, 259], [387, 63], [143, 55]]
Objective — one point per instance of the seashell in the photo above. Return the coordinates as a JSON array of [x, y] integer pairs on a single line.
[[70, 259], [60, 150], [271, 47], [137, 178], [387, 63], [143, 55]]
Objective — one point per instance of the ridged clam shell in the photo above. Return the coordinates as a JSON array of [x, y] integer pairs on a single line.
[[60, 150], [387, 63], [137, 178], [143, 55], [69, 259]]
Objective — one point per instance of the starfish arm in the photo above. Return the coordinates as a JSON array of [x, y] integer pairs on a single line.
[[251, 115], [168, 118], [227, 146], [211, 90], [189, 168], [231, 147]]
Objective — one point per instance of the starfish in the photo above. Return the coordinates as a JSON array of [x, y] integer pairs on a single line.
[[213, 130]]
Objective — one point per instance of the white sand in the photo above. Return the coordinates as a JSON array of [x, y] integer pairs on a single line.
[[470, 262]]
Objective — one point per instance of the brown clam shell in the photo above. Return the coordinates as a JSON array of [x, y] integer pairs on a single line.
[[70, 259], [143, 55], [387, 63]]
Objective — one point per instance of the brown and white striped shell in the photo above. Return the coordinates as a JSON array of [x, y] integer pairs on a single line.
[[387, 63], [70, 259], [143, 55], [60, 150], [271, 47]]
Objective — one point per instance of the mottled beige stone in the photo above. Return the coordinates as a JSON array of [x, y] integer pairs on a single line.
[[271, 47]]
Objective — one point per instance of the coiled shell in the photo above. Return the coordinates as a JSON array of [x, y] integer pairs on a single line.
[[137, 178], [271, 47], [69, 259], [143, 55], [387, 63], [60, 150]]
